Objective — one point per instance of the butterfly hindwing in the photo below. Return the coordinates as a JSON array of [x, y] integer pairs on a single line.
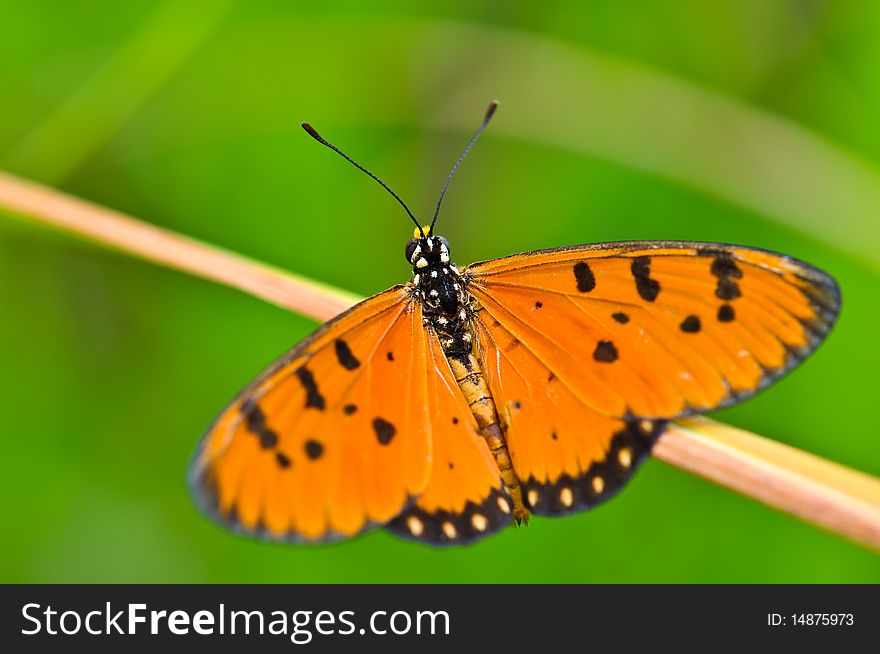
[[333, 438], [464, 499], [567, 455], [589, 350]]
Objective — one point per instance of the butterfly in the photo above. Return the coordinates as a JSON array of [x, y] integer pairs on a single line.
[[470, 398]]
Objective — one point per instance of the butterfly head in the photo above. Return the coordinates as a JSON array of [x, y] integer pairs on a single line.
[[436, 279], [425, 253]]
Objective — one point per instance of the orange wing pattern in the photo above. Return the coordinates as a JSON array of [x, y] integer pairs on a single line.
[[586, 351], [334, 437], [589, 349], [463, 500]]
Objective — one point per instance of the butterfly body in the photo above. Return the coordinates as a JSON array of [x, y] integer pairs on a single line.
[[449, 312]]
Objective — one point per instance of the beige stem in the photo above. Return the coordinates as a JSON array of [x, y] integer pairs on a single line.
[[821, 492]]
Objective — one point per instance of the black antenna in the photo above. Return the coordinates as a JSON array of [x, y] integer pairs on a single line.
[[491, 110], [320, 139]]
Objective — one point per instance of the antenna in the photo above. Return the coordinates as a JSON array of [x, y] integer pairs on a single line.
[[491, 110], [320, 139]]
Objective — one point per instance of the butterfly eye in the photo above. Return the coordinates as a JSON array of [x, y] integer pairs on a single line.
[[411, 248], [443, 240]]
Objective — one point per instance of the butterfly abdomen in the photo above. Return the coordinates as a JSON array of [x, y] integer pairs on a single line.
[[469, 376]]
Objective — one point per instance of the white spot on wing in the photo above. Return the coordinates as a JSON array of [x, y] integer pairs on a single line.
[[566, 497], [415, 526]]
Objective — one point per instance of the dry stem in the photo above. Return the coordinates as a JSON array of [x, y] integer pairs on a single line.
[[821, 492]]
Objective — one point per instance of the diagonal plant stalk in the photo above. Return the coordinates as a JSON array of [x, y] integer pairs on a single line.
[[821, 492]]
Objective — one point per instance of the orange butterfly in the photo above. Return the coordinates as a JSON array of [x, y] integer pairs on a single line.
[[466, 399]]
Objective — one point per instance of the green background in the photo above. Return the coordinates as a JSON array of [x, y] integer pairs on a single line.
[[752, 122]]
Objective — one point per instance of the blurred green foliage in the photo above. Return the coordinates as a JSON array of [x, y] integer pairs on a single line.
[[750, 122]]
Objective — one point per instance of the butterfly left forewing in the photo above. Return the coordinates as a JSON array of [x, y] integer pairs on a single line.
[[609, 341], [332, 438]]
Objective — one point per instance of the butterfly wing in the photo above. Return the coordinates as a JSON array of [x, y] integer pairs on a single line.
[[332, 438], [589, 349], [464, 499]]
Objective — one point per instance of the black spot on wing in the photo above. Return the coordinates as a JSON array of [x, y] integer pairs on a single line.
[[255, 421], [314, 399], [282, 460], [475, 521], [313, 449], [343, 354], [584, 277], [268, 439], [349, 409], [605, 352], [385, 431], [253, 415], [603, 479], [539, 304], [647, 288], [726, 271], [690, 325], [726, 313], [390, 356], [620, 317]]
